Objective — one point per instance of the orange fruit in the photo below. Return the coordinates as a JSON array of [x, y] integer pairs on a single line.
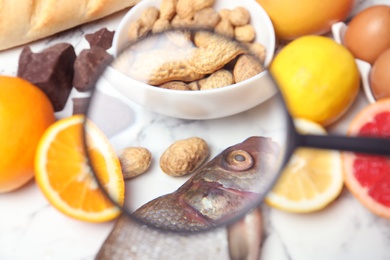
[[64, 174], [368, 176], [25, 113], [293, 19]]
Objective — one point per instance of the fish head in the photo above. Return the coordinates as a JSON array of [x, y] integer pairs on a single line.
[[235, 180], [248, 166]]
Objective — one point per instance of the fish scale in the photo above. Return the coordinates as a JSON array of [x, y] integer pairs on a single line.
[[167, 215], [129, 240]]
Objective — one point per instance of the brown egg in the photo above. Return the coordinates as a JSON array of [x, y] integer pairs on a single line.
[[368, 33], [380, 76]]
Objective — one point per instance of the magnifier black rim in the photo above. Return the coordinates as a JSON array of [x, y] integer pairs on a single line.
[[290, 146]]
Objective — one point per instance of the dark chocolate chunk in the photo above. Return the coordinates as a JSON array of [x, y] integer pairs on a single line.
[[51, 70], [102, 38], [80, 105], [88, 67]]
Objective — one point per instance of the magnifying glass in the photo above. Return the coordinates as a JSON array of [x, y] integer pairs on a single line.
[[246, 151]]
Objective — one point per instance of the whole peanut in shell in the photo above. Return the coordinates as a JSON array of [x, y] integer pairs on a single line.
[[246, 67], [184, 156], [134, 161], [220, 78]]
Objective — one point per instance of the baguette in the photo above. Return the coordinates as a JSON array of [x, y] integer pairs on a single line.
[[24, 21]]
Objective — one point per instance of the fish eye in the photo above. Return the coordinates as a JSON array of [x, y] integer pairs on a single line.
[[238, 160]]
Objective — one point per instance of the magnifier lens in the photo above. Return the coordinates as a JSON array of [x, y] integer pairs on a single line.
[[245, 151]]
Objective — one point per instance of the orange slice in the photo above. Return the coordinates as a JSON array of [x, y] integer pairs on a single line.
[[64, 175]]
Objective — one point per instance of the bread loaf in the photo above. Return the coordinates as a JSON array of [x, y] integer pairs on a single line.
[[23, 21]]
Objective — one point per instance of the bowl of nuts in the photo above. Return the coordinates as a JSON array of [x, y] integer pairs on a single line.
[[194, 59]]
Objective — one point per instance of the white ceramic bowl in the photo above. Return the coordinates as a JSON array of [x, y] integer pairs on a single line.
[[197, 105]]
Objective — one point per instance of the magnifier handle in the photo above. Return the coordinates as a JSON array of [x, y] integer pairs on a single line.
[[369, 145]]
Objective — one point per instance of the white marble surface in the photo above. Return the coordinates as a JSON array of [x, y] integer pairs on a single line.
[[30, 228]]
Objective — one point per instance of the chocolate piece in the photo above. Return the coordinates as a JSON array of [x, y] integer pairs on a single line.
[[102, 38], [51, 70], [80, 105], [88, 67]]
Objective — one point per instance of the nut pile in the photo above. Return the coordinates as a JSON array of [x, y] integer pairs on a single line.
[[202, 60]]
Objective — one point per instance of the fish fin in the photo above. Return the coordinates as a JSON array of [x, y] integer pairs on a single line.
[[245, 237]]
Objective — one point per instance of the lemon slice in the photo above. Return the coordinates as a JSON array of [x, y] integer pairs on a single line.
[[312, 178]]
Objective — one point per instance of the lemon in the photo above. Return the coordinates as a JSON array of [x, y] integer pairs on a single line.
[[311, 180], [318, 78]]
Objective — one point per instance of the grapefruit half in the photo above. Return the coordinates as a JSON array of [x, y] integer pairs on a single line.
[[368, 176]]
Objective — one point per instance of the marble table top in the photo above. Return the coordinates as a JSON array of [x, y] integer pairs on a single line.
[[30, 228]]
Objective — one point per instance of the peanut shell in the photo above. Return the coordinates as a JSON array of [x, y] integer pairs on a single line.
[[246, 67], [134, 161], [184, 156], [218, 79]]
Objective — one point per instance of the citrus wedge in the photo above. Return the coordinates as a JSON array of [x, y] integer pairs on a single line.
[[367, 177], [312, 178], [63, 172]]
